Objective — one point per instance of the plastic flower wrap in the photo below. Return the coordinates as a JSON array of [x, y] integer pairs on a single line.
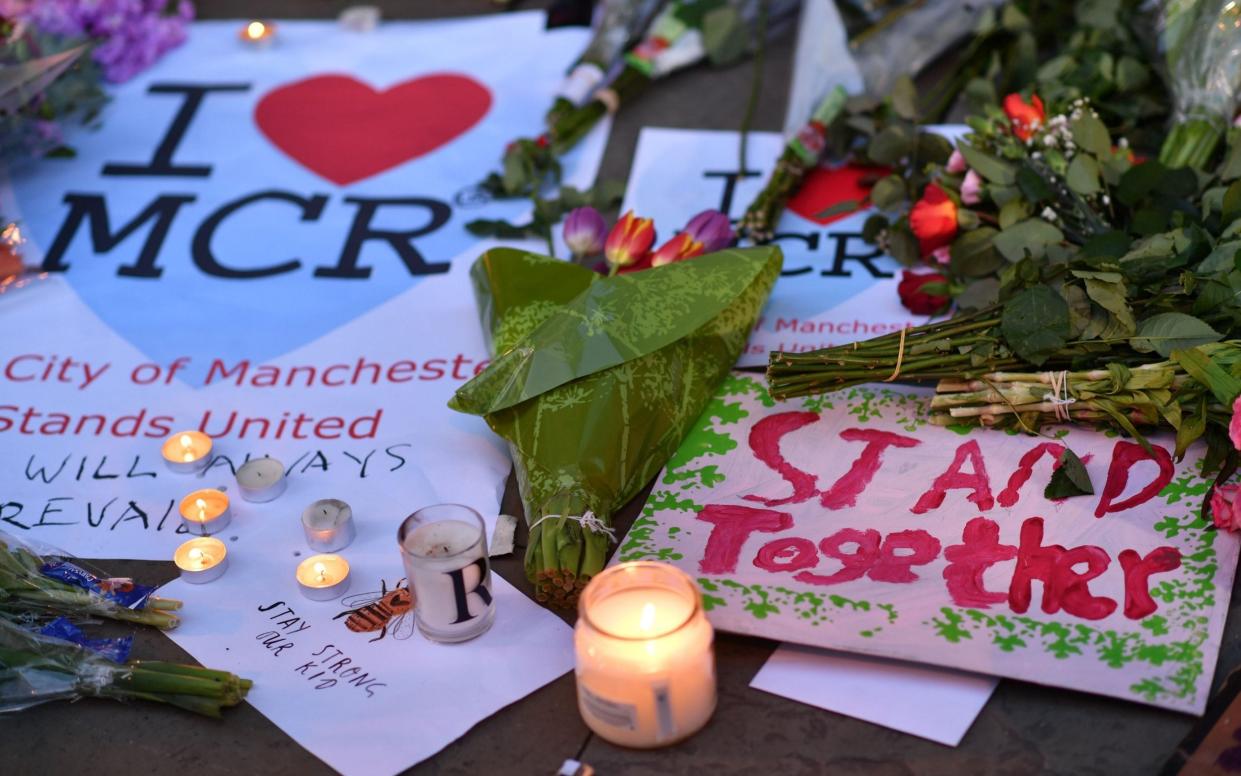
[[36, 668], [1203, 43], [35, 582], [596, 381]]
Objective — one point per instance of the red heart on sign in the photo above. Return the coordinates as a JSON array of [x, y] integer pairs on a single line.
[[345, 130], [825, 187]]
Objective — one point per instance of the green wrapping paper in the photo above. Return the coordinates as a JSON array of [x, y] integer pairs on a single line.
[[595, 381]]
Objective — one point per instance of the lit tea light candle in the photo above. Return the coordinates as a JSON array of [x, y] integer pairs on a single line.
[[259, 34], [261, 479], [186, 452], [323, 577], [445, 552], [201, 560], [205, 511], [328, 524], [645, 667]]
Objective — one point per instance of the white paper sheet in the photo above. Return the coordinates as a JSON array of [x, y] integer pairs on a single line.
[[934, 703], [80, 463]]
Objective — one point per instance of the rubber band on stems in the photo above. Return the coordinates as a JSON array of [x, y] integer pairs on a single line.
[[1059, 398]]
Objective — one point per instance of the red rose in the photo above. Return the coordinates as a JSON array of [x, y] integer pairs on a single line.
[[1025, 116], [933, 220], [916, 299]]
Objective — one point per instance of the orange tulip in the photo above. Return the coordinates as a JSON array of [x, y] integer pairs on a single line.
[[678, 248], [1025, 116], [629, 240], [933, 220]]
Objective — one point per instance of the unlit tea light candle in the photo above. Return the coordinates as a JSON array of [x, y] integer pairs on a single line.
[[328, 524], [323, 577], [645, 666], [186, 452], [261, 479], [205, 511], [445, 552], [201, 560]]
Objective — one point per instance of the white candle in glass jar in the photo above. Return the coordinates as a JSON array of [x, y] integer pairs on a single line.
[[645, 666], [446, 564], [186, 452]]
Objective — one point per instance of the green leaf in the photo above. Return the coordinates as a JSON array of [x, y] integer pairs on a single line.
[[988, 166], [1107, 289], [1033, 186], [1223, 386], [891, 145], [1166, 332], [904, 97], [845, 206], [1099, 14], [1231, 168], [1027, 237], [1083, 175], [933, 148], [904, 246], [1069, 479], [1139, 181], [1013, 212], [973, 254], [1231, 209], [887, 193], [1035, 323], [724, 35], [1091, 135], [979, 295], [1222, 259], [1193, 426], [1131, 75]]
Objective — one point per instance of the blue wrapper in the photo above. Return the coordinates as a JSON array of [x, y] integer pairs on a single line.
[[118, 590], [116, 650]]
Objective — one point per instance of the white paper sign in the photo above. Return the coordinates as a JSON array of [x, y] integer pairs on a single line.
[[267, 245], [835, 288], [848, 521], [932, 703], [350, 679]]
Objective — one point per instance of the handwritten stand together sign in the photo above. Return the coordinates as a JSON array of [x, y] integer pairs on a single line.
[[848, 521]]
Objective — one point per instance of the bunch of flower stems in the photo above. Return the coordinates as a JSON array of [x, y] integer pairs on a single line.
[[35, 668], [23, 587]]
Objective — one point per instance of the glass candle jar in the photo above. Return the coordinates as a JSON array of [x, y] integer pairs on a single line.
[[445, 552], [645, 665]]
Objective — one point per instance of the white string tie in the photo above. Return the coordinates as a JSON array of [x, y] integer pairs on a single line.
[[587, 520], [1059, 396]]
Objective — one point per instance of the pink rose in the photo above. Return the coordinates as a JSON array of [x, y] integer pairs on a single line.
[[1226, 508], [971, 189], [1234, 425], [956, 163], [942, 255]]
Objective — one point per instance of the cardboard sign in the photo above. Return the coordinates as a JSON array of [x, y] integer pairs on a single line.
[[267, 245], [848, 521]]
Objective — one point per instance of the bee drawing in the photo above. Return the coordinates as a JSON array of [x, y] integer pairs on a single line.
[[381, 611]]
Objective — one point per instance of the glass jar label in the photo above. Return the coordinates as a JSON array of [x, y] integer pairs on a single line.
[[622, 715]]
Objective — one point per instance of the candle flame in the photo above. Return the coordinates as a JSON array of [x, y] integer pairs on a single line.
[[196, 555], [321, 572], [202, 509], [186, 441], [647, 620], [255, 30]]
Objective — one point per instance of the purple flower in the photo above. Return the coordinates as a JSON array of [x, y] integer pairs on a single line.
[[712, 229], [584, 231]]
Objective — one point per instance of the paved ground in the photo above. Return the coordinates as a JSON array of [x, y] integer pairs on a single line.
[[1024, 729]]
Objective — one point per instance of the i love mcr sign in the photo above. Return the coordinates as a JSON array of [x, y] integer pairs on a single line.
[[849, 521], [268, 245]]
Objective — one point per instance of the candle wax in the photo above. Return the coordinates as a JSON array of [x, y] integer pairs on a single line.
[[438, 552]]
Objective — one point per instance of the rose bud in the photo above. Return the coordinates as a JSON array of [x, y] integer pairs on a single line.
[[1225, 507], [933, 219], [1026, 116], [956, 163], [629, 240], [918, 292], [712, 229], [971, 189], [584, 231]]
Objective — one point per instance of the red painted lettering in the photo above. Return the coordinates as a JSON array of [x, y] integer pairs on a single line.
[[1124, 456], [844, 492], [731, 526], [890, 567], [1138, 571], [979, 550], [1025, 467], [856, 564], [765, 439], [955, 479], [1063, 587], [792, 554]]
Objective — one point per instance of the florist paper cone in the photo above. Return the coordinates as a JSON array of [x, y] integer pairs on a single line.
[[594, 394]]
